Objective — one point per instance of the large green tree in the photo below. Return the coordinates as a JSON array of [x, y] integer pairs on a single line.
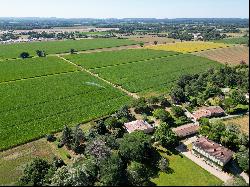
[[83, 173], [138, 174], [242, 158], [35, 172], [112, 172], [165, 136], [136, 147], [163, 115]]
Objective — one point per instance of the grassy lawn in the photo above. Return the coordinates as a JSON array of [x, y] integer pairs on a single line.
[[13, 161], [185, 173]]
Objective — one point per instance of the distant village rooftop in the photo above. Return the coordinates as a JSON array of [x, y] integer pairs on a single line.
[[207, 112], [186, 130], [138, 125], [213, 151]]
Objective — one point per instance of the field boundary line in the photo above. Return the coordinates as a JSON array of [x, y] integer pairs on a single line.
[[80, 52], [133, 62], [134, 95], [37, 77]]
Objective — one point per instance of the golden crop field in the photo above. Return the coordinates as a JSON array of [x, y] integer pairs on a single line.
[[188, 47]]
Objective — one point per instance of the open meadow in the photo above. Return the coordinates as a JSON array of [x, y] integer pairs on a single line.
[[13, 161], [188, 47], [56, 47], [232, 55]]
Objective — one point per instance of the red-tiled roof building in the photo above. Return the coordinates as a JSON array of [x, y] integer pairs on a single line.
[[186, 130], [138, 125], [208, 112], [214, 153]]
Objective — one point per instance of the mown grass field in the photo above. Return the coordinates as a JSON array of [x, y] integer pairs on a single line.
[[188, 47], [35, 107], [55, 47], [112, 58], [185, 173], [11, 70], [231, 55], [234, 40], [154, 76]]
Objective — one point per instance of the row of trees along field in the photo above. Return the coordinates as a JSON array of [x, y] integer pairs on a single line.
[[42, 53]]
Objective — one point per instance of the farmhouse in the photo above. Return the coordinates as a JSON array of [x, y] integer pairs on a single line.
[[214, 153], [186, 130], [208, 112], [138, 125]]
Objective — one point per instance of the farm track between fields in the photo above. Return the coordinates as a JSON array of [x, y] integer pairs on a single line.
[[37, 77], [95, 75], [133, 62]]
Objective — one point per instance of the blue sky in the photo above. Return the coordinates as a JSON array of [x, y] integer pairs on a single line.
[[125, 8]]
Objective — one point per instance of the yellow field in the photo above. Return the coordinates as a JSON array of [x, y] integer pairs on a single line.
[[188, 47]]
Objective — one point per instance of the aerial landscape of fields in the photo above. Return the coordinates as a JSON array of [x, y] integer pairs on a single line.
[[124, 101]]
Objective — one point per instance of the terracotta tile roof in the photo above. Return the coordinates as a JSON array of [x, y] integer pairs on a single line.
[[208, 112], [138, 125], [214, 149], [186, 130]]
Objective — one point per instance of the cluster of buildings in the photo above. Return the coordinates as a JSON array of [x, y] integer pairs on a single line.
[[211, 152], [22, 40]]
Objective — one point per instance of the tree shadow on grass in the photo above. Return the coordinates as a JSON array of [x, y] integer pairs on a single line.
[[169, 171]]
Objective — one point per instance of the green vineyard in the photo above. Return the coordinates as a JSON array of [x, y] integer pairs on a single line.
[[32, 67], [56, 47], [35, 107]]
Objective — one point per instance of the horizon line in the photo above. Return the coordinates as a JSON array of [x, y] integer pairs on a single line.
[[49, 17]]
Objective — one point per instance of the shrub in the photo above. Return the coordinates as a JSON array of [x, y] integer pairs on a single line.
[[50, 138], [68, 156], [60, 145], [24, 55]]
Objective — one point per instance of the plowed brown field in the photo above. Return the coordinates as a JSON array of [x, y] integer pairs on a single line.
[[231, 55]]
